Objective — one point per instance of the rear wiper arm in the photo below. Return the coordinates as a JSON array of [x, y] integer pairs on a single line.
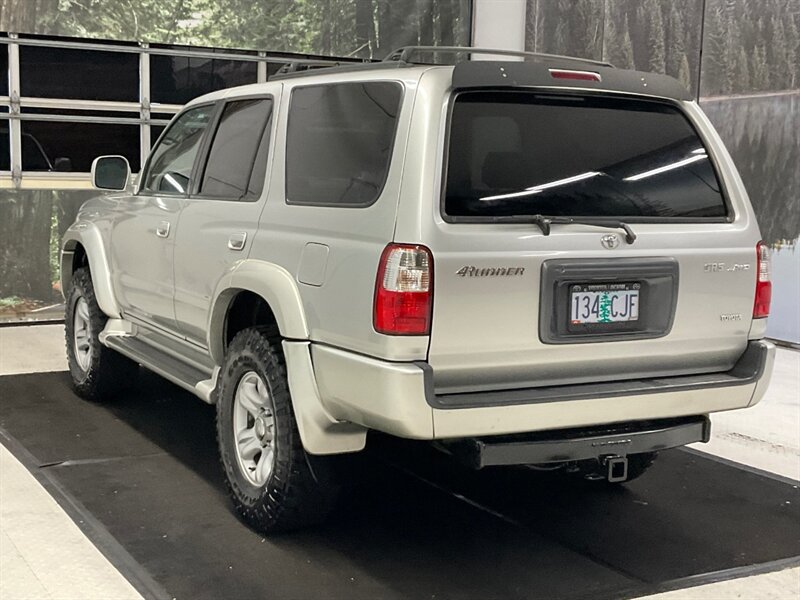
[[544, 222]]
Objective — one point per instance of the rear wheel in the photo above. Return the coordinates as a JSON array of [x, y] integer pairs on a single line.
[[274, 484], [98, 373]]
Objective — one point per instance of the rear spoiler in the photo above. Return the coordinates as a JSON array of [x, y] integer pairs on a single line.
[[506, 74]]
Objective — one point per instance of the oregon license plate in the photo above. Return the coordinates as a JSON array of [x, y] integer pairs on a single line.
[[604, 303]]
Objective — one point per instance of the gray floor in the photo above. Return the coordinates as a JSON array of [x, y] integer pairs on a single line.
[[35, 533]]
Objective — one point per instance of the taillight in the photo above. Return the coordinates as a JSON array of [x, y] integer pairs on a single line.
[[404, 291], [763, 282]]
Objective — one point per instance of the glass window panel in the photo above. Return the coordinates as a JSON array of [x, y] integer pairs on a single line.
[[78, 74], [155, 133], [519, 153], [233, 150], [3, 70], [5, 147], [178, 79], [339, 142], [171, 163], [45, 142], [256, 184]]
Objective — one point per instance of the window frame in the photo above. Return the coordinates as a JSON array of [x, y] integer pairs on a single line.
[[145, 170], [395, 82], [198, 172], [730, 216]]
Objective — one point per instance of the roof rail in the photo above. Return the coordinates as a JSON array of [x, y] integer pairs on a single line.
[[295, 66], [402, 54]]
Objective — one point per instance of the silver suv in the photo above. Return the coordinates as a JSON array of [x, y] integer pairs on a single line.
[[548, 262]]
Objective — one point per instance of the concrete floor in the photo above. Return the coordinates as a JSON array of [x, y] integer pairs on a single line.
[[43, 554]]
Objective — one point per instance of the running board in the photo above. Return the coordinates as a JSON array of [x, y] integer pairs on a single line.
[[197, 381]]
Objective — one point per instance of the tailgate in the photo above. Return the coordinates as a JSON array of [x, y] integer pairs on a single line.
[[514, 307]]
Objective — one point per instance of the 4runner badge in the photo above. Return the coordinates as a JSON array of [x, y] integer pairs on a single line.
[[490, 271]]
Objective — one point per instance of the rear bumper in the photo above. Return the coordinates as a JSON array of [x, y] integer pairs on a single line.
[[399, 398]]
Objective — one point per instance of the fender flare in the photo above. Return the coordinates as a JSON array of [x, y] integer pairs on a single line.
[[268, 280], [89, 237], [320, 433]]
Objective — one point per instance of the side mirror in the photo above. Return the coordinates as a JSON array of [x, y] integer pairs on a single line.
[[111, 173], [62, 165]]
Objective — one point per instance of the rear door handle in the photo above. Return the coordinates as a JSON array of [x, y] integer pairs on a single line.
[[163, 229], [237, 240]]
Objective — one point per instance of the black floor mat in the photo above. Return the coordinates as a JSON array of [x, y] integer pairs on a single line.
[[415, 525]]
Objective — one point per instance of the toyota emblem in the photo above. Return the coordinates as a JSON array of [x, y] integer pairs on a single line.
[[610, 241]]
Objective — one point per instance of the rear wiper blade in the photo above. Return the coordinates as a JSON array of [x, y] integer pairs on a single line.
[[544, 222]]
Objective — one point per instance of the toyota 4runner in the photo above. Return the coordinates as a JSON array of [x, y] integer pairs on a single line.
[[548, 262]]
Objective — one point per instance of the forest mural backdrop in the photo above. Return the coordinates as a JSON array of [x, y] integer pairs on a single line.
[[363, 28], [748, 79]]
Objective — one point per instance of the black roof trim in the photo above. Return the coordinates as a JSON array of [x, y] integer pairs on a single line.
[[497, 74], [337, 68]]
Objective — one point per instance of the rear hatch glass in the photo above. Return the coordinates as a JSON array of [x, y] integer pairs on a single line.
[[513, 154]]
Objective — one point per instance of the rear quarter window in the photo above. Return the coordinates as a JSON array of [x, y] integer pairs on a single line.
[[339, 142], [522, 153]]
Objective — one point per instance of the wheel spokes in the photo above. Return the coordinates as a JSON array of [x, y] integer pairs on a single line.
[[83, 310], [82, 334], [254, 428], [250, 398], [264, 465], [248, 444]]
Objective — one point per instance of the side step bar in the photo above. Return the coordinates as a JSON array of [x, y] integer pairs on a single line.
[[566, 445], [197, 381]]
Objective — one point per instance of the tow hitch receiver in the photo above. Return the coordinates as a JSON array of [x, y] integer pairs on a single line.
[[616, 468]]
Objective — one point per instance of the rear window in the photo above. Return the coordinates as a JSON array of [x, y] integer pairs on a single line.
[[520, 153], [339, 142]]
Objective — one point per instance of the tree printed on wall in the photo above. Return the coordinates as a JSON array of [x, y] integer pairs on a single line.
[[362, 28], [749, 45]]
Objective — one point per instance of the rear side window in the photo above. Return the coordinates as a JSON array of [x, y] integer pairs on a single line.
[[521, 153], [231, 160], [339, 142]]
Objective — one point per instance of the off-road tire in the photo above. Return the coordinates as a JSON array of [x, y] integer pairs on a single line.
[[108, 373], [301, 489]]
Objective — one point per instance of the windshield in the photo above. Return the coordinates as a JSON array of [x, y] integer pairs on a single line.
[[522, 153]]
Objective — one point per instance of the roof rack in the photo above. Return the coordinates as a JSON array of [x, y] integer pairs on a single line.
[[297, 67], [401, 54]]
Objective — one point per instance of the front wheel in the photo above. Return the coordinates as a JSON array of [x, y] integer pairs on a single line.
[[98, 373], [274, 484]]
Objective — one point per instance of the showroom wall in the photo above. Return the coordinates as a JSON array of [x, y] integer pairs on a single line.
[[747, 79], [362, 28], [78, 104]]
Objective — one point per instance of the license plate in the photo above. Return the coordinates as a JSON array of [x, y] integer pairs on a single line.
[[604, 303]]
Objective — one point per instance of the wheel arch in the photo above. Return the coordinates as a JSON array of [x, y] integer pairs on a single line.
[[249, 283], [82, 245], [261, 293]]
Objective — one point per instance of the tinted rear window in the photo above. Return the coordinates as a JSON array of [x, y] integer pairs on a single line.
[[520, 153], [233, 151], [339, 142]]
